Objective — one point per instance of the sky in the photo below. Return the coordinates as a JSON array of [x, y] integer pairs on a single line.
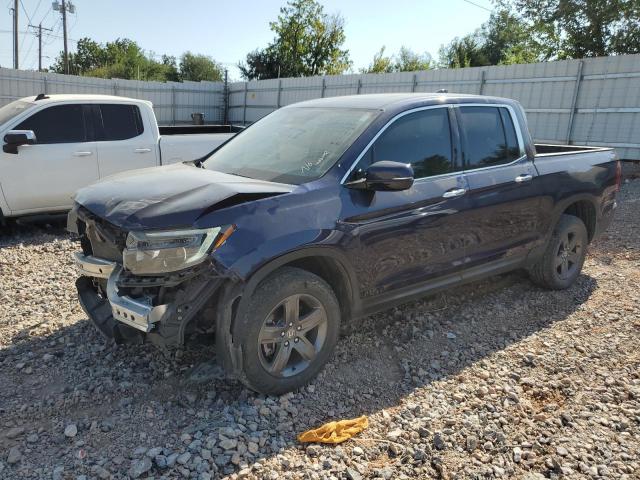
[[228, 30]]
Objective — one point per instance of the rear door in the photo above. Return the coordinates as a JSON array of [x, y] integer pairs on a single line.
[[503, 221], [409, 237], [45, 176], [123, 141]]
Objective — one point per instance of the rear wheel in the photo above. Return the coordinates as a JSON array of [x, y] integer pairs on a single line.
[[289, 331], [564, 256]]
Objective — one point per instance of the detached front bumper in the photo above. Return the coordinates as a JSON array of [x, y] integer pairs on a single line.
[[137, 313], [134, 318]]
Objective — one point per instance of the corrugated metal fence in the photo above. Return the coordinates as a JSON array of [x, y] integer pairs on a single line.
[[594, 101], [173, 102]]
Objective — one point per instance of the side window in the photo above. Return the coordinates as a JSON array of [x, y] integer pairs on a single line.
[[120, 122], [57, 124], [422, 139], [488, 136]]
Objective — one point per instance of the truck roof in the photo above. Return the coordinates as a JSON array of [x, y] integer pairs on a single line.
[[82, 97], [383, 101]]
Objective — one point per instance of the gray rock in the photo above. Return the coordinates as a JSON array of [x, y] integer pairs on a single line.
[[153, 452], [14, 456], [352, 474], [139, 467], [100, 472], [14, 432], [161, 461], [171, 459], [228, 443], [58, 473], [184, 458], [71, 430]]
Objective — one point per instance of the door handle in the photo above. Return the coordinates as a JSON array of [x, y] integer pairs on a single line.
[[454, 192], [142, 150], [523, 178], [82, 154]]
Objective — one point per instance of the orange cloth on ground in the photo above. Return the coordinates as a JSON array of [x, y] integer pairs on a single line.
[[335, 432]]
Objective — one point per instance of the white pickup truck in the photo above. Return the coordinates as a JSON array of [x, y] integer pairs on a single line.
[[53, 145]]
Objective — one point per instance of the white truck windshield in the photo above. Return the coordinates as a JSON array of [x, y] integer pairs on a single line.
[[12, 110]]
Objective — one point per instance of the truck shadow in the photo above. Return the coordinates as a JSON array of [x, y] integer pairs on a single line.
[[122, 397]]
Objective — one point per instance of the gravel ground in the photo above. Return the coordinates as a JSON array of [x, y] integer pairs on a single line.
[[497, 379]]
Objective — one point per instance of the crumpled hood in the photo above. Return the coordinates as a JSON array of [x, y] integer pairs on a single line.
[[170, 196]]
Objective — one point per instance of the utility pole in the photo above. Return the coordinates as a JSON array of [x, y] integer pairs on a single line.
[[63, 8], [64, 29], [39, 35], [15, 34]]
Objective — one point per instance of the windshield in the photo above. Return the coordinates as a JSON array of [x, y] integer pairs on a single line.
[[12, 110], [292, 145]]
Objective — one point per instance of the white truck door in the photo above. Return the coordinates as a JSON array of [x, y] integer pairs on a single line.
[[45, 176], [123, 141]]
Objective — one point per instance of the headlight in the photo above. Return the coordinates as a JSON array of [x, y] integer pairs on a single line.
[[169, 251]]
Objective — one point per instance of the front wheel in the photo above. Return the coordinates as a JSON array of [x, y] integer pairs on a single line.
[[289, 331], [564, 256]]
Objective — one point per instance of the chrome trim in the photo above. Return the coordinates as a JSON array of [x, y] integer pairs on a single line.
[[491, 167], [91, 266], [456, 192], [514, 119], [523, 178]]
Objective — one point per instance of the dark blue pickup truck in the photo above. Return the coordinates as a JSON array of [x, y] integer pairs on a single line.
[[328, 210]]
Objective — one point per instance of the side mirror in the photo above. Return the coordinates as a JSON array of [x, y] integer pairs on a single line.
[[385, 176], [14, 138]]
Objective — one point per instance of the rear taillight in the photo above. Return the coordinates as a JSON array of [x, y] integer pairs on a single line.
[[618, 175]]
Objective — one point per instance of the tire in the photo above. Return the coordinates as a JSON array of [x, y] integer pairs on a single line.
[[271, 315], [564, 256]]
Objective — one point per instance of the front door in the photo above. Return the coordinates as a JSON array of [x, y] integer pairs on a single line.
[[45, 176], [407, 238]]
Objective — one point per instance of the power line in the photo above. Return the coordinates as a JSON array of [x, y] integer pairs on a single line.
[[477, 5]]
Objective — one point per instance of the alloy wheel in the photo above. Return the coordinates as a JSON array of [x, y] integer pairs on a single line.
[[292, 335], [568, 256]]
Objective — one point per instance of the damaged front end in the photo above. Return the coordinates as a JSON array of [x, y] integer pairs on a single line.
[[125, 296]]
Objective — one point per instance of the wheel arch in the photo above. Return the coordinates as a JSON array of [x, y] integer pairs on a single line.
[[326, 262], [583, 206]]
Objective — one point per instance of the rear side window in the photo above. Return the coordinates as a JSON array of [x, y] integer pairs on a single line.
[[57, 124], [488, 136], [119, 122], [422, 139]]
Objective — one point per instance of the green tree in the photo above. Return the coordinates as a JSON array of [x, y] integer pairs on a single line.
[[410, 61], [123, 58], [503, 39], [462, 52], [506, 39], [581, 28], [405, 61], [307, 42], [197, 68], [380, 64]]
